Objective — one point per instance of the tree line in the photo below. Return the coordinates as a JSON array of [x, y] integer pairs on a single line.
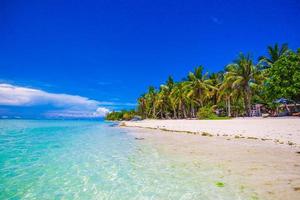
[[230, 92]]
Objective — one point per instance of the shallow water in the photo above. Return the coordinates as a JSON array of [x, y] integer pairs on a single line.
[[57, 159]]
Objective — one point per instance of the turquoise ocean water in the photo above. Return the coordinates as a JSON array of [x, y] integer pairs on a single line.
[[56, 159]]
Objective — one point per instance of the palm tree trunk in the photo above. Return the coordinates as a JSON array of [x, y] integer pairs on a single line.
[[174, 113], [192, 110], [228, 107], [247, 101], [154, 112], [184, 111]]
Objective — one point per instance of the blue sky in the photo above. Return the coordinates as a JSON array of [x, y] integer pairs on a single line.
[[109, 52]]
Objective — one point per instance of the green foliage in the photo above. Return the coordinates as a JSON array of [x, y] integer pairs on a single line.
[[220, 184], [206, 113], [284, 78], [232, 91], [254, 197], [120, 115], [242, 76], [275, 53]]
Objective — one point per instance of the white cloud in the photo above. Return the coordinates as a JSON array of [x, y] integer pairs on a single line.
[[69, 105], [100, 112]]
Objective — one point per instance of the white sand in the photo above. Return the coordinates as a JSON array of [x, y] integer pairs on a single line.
[[270, 170], [262, 154], [279, 130]]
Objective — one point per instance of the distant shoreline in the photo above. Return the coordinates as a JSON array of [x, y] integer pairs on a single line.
[[279, 130]]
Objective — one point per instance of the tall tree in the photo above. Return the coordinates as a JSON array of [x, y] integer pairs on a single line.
[[142, 106], [201, 88], [216, 80], [162, 101], [284, 79], [225, 93], [240, 75], [242, 84], [180, 99], [150, 97], [274, 53]]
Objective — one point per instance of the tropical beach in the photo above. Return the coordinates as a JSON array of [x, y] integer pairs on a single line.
[[261, 154], [150, 100], [99, 160], [269, 170]]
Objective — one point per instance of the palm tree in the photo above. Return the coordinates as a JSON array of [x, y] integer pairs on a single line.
[[240, 85], [162, 101], [216, 80], [179, 100], [199, 86], [142, 106], [190, 98], [240, 75], [150, 97], [168, 90], [225, 92], [274, 54], [229, 95]]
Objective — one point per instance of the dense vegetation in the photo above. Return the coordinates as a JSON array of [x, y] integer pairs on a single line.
[[231, 92], [120, 115]]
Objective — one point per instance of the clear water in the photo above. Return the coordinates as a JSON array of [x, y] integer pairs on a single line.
[[42, 159]]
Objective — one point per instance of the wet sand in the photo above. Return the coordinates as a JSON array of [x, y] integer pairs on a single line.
[[271, 170]]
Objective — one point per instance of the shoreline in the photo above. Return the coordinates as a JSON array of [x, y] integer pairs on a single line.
[[278, 130], [269, 170]]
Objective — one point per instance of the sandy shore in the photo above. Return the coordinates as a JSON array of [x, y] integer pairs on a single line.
[[266, 169], [279, 130]]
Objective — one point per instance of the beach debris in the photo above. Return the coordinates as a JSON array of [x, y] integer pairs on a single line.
[[206, 134], [252, 138], [298, 152], [137, 138], [238, 136], [291, 143], [297, 188], [220, 184], [278, 141], [264, 139]]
